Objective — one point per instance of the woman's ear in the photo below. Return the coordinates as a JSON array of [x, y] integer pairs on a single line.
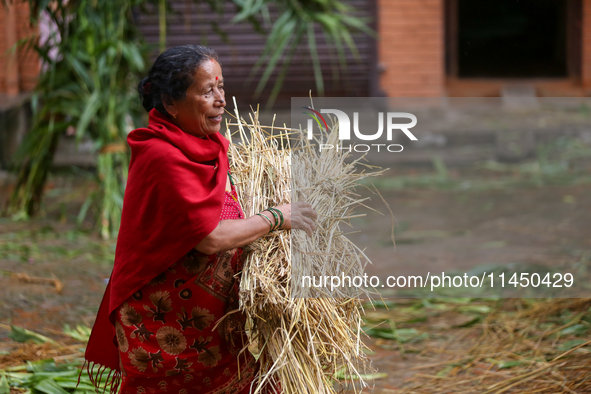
[[169, 106]]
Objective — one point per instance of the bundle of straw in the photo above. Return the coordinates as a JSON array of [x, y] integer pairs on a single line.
[[307, 343]]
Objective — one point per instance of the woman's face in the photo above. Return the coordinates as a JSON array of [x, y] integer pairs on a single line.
[[200, 112]]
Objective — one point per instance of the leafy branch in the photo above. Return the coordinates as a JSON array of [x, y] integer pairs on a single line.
[[297, 24]]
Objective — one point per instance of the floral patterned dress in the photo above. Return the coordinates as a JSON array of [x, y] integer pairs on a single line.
[[169, 335]]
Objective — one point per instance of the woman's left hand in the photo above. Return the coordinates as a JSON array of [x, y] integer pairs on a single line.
[[298, 215]]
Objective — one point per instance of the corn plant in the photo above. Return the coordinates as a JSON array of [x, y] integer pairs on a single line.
[[89, 84]]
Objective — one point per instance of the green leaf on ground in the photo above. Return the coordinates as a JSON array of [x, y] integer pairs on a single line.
[[566, 346], [371, 376], [4, 388], [81, 333], [49, 386], [401, 335], [469, 323], [385, 304], [577, 329], [510, 364], [475, 309], [20, 334]]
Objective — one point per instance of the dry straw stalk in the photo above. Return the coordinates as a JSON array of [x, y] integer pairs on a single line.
[[306, 337]]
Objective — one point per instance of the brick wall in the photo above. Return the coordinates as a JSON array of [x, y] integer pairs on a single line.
[[28, 60], [411, 47], [7, 37], [586, 42], [18, 72]]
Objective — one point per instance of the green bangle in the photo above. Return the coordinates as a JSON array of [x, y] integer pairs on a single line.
[[278, 215], [281, 220], [276, 225], [268, 220]]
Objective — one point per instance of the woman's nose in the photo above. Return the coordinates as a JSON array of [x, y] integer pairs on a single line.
[[221, 97]]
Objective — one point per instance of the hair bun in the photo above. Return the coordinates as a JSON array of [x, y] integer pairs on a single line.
[[147, 88], [144, 88]]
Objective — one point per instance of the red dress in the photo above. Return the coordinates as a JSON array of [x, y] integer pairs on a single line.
[[168, 332]]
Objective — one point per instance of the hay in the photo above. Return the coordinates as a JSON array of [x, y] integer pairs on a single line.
[[522, 347], [304, 343]]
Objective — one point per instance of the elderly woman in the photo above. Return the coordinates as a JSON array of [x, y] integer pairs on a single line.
[[178, 258]]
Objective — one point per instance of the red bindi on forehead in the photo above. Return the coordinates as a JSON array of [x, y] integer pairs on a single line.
[[216, 78]]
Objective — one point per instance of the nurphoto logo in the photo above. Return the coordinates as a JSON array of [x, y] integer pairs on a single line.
[[392, 120]]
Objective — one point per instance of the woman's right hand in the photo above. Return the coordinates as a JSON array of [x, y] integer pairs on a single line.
[[297, 215]]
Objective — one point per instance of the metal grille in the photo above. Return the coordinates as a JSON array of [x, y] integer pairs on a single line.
[[191, 23]]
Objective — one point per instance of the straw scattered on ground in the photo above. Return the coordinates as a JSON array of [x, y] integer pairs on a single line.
[[519, 346]]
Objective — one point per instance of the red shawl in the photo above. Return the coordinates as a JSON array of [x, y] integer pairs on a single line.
[[173, 199]]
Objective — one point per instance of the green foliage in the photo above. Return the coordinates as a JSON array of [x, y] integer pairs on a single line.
[[46, 377], [297, 24], [20, 334], [88, 84], [343, 375], [80, 333], [4, 388], [390, 331]]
